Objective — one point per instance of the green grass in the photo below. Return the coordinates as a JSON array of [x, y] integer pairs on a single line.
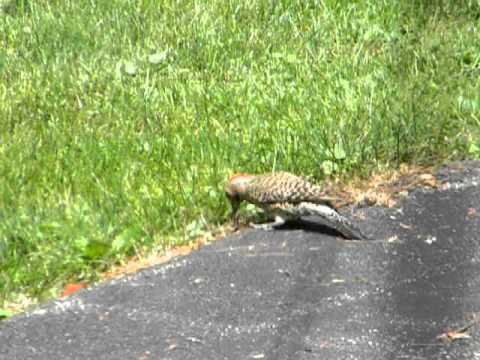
[[121, 120]]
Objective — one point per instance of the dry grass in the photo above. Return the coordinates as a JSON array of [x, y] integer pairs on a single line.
[[382, 189]]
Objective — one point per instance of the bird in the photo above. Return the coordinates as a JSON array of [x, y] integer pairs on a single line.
[[285, 197]]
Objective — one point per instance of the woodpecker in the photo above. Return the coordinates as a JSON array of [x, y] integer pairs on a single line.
[[286, 197]]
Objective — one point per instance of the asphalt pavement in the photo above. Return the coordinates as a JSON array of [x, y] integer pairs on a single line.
[[297, 293]]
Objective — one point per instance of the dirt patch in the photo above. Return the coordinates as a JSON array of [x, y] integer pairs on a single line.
[[143, 261], [382, 189]]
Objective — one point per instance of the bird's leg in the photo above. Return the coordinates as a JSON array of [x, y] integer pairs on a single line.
[[279, 221]]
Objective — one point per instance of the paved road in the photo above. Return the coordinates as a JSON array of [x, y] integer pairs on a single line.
[[290, 294]]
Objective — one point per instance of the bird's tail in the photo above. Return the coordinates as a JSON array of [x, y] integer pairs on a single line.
[[334, 219]]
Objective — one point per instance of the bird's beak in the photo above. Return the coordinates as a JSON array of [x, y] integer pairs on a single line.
[[236, 221]]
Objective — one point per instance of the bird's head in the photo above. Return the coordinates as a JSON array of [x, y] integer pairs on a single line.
[[236, 190]]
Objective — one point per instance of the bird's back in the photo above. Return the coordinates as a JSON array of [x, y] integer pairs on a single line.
[[283, 187]]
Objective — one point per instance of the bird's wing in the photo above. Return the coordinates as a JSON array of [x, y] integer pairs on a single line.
[[286, 188]]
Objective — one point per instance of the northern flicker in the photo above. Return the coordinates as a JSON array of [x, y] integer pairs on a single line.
[[285, 197]]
